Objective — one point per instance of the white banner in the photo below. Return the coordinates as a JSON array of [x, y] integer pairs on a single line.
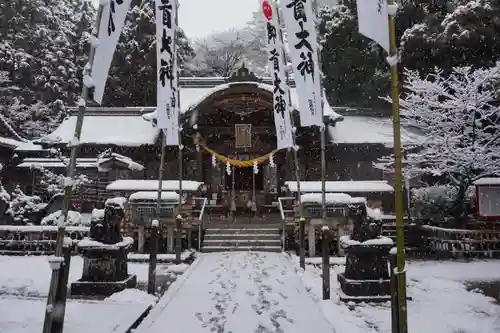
[[167, 81], [299, 20], [281, 91], [113, 17], [373, 21]]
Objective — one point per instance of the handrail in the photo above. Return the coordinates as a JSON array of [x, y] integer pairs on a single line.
[[200, 225], [203, 208], [280, 203]]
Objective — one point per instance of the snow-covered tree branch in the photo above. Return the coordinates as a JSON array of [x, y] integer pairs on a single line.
[[459, 115]]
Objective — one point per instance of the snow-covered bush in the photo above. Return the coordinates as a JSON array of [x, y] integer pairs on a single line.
[[23, 206], [53, 182], [74, 218], [435, 204]]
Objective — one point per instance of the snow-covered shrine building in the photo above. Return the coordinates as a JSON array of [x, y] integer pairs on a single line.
[[234, 117]]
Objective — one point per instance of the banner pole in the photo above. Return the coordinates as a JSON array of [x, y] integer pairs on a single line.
[[68, 186], [398, 193], [295, 154]]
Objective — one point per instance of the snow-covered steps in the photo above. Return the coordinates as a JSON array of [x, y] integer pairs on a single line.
[[266, 238], [234, 248]]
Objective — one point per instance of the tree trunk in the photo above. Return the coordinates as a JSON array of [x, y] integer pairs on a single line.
[[458, 209]]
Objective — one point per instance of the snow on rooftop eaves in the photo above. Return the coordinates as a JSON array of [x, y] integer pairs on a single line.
[[191, 98], [359, 130], [108, 157], [153, 195], [350, 186], [152, 185], [125, 130], [488, 181], [29, 163], [19, 145], [331, 198]]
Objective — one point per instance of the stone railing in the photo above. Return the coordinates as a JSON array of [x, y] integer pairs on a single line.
[[34, 240], [462, 243]]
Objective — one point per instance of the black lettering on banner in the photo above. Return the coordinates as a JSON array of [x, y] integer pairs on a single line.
[[112, 10], [280, 105], [306, 65], [167, 111], [166, 72], [379, 6], [166, 43], [275, 59], [299, 12], [272, 33], [277, 84], [173, 99], [166, 8], [302, 35]]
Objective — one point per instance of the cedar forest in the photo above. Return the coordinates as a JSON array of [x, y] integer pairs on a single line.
[[44, 45]]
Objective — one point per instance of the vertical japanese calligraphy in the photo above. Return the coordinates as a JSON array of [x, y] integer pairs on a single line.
[[113, 17], [167, 83], [281, 91], [299, 20]]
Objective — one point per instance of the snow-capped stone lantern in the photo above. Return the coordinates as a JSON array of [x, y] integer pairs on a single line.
[[488, 198], [105, 254]]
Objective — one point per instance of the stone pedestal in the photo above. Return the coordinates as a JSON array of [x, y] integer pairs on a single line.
[[105, 268], [366, 278]]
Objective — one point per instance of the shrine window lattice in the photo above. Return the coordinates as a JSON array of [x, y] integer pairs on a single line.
[[243, 135]]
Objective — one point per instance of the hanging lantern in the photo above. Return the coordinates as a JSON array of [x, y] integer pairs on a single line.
[[271, 161], [228, 169], [214, 161], [255, 167]]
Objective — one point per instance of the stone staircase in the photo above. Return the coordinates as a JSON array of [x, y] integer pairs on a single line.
[[242, 234]]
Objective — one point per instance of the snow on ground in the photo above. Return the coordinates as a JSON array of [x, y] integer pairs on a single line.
[[441, 303], [30, 275], [244, 292], [26, 315]]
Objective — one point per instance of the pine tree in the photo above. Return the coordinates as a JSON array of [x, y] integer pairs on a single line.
[[39, 51], [132, 79]]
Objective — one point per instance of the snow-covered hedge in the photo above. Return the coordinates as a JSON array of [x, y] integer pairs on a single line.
[[74, 218], [22, 206], [434, 204]]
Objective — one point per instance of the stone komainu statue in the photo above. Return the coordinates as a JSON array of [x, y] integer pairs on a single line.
[[364, 227], [107, 229]]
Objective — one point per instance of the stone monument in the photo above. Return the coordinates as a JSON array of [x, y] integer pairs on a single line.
[[366, 277], [105, 255]]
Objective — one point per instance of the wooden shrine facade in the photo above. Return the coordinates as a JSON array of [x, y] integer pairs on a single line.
[[234, 117]]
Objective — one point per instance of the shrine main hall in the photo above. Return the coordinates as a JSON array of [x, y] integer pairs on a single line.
[[233, 117]]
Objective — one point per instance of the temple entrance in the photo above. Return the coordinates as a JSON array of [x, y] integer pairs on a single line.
[[243, 180]]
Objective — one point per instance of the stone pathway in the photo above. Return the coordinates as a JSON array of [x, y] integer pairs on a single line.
[[242, 292]]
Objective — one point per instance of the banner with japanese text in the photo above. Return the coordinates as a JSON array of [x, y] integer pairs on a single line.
[[299, 20], [373, 21], [281, 90], [111, 24], [167, 107]]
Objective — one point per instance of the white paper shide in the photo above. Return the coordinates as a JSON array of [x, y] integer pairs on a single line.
[[112, 20], [167, 85], [299, 20], [373, 21], [281, 91]]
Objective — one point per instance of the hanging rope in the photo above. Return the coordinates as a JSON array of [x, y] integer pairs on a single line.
[[238, 163], [234, 162]]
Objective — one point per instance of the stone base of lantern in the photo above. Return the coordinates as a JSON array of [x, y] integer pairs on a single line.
[[104, 269]]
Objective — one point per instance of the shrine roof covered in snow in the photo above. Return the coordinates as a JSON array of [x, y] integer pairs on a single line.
[[363, 186], [136, 126]]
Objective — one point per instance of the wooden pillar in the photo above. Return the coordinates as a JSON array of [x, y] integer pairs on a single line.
[[311, 240], [199, 165]]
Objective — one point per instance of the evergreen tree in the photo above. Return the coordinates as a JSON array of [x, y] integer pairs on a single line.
[[133, 76], [39, 51]]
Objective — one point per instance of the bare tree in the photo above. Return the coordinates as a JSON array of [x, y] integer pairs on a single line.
[[221, 53]]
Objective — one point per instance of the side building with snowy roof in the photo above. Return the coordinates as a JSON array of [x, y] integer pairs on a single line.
[[234, 117]]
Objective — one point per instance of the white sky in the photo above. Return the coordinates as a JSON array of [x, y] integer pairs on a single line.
[[200, 18]]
